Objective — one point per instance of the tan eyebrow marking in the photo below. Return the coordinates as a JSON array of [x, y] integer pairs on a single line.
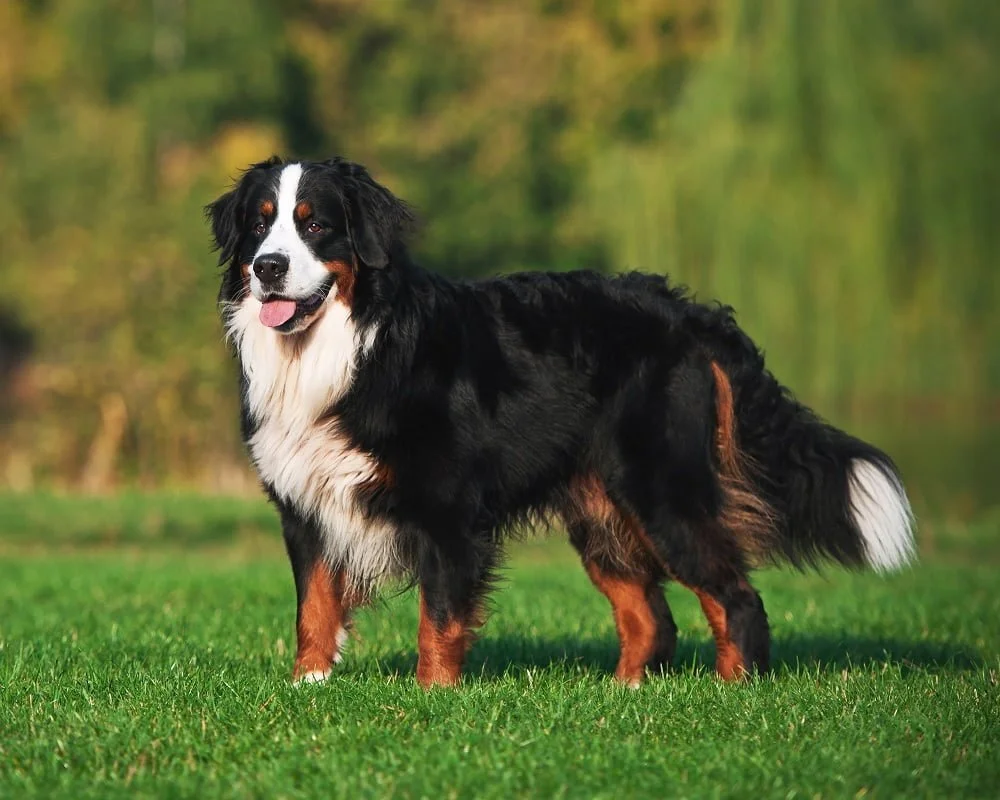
[[303, 210], [267, 208]]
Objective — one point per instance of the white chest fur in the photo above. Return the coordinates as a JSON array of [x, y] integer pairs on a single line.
[[304, 458]]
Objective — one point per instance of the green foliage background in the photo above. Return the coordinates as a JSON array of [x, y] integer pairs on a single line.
[[829, 169]]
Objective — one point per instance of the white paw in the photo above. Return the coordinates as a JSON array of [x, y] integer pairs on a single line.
[[315, 676]]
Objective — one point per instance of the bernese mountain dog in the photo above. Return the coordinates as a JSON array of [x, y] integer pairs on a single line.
[[404, 424]]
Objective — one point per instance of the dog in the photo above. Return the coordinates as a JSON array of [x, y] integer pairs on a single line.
[[405, 424]]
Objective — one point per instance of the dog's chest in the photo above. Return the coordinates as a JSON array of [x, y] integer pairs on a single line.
[[302, 454]]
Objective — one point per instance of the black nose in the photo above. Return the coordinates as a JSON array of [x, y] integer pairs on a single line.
[[270, 267]]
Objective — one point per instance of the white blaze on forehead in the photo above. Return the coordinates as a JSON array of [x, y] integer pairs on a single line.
[[288, 192], [306, 273]]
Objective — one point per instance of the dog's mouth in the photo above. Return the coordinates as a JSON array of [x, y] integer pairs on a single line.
[[284, 314]]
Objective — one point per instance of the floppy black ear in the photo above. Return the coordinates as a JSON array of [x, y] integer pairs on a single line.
[[376, 218], [227, 215]]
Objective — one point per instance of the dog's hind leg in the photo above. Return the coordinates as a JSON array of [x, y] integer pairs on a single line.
[[739, 627], [704, 556], [672, 482], [699, 558], [646, 629], [621, 569]]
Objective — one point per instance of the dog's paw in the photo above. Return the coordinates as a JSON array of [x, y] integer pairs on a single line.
[[313, 676]]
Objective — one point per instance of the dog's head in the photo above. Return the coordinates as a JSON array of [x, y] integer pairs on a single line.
[[294, 235]]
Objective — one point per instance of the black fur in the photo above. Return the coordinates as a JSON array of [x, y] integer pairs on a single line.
[[486, 400]]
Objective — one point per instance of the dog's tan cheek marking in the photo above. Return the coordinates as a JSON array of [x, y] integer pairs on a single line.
[[344, 277], [321, 624]]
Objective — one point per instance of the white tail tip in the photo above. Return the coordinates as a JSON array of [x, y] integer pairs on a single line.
[[882, 513]]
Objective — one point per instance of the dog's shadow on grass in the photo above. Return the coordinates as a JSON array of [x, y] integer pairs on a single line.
[[829, 652], [494, 657]]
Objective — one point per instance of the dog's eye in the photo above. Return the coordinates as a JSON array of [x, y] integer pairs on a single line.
[[314, 227], [259, 228]]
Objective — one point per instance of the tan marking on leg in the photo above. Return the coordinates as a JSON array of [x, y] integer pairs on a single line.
[[635, 621], [322, 622], [613, 538], [633, 545], [441, 651], [622, 564], [592, 502], [729, 660]]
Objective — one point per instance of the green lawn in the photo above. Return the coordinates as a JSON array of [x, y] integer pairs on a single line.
[[146, 644]]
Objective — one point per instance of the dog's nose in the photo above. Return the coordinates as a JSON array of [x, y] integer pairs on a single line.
[[270, 267]]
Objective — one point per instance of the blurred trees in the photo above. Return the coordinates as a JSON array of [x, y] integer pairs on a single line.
[[829, 169]]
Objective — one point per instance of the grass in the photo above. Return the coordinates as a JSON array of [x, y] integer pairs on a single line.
[[143, 652]]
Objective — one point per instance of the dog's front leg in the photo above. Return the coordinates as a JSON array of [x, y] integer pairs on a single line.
[[451, 595], [324, 601], [443, 640]]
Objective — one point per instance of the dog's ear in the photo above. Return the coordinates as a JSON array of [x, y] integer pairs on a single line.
[[376, 218], [227, 214]]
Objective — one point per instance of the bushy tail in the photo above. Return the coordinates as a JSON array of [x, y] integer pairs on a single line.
[[797, 488]]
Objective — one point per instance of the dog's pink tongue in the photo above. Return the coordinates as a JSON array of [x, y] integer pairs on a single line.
[[277, 312]]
